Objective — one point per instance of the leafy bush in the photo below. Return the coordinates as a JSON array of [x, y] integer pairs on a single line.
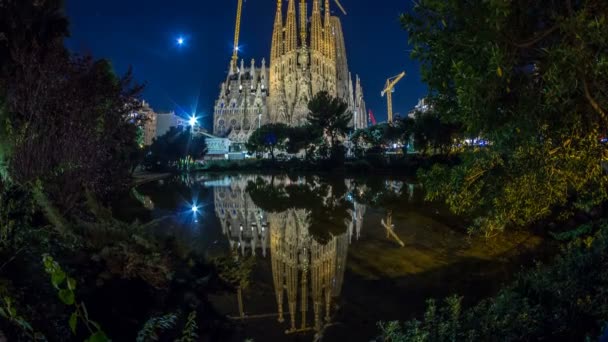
[[155, 325], [16, 211]]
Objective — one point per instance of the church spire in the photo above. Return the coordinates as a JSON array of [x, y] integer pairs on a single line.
[[330, 46], [303, 22], [291, 35], [316, 39], [277, 33]]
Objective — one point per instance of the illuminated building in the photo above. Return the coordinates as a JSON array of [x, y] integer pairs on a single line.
[[307, 55]]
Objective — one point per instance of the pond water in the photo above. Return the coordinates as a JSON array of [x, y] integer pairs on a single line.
[[333, 256]]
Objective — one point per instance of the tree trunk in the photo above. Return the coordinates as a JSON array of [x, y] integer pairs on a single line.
[[240, 299]]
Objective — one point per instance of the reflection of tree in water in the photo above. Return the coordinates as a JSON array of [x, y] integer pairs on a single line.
[[388, 194], [325, 202]]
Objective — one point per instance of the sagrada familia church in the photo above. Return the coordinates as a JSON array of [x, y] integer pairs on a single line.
[[307, 55]]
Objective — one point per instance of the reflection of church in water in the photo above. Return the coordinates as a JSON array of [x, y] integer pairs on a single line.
[[306, 274]]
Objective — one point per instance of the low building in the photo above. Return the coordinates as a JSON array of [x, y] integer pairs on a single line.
[[217, 148]]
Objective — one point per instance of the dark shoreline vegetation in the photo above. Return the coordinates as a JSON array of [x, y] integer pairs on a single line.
[[528, 77], [396, 165]]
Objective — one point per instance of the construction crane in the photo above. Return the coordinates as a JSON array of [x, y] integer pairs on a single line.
[[388, 90], [237, 32], [340, 6]]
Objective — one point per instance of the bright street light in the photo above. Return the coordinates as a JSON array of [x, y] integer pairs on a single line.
[[193, 120]]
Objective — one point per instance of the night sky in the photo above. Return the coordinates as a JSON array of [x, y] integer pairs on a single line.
[[143, 34]]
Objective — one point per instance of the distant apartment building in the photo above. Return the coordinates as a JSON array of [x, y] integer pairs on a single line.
[[164, 122], [145, 119], [423, 106], [149, 127], [155, 124]]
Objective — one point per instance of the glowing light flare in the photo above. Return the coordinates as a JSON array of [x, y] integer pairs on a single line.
[[194, 209], [193, 120], [180, 41]]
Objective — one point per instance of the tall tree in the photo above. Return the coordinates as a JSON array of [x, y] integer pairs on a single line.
[[174, 146], [530, 77], [268, 138], [330, 115], [68, 119], [303, 138]]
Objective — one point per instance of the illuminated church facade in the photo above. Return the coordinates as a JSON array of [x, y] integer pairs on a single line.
[[307, 55]]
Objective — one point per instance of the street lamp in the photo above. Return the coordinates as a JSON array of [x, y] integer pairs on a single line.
[[193, 120]]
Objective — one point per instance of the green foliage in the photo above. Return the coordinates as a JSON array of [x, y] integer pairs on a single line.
[[329, 115], [129, 250], [174, 147], [303, 138], [268, 138], [5, 147], [581, 230], [66, 287], [9, 313], [430, 132], [16, 211], [565, 300], [154, 326], [189, 333], [65, 120], [235, 270], [528, 76]]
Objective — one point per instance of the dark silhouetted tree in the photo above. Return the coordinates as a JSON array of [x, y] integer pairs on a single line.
[[331, 115], [174, 146], [268, 138]]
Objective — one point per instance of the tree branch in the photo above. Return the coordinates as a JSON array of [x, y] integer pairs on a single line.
[[592, 101], [536, 39]]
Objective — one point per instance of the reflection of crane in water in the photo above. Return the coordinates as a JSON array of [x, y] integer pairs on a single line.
[[390, 228]]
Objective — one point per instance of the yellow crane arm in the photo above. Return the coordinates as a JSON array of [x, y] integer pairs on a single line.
[[388, 90], [391, 82], [237, 32]]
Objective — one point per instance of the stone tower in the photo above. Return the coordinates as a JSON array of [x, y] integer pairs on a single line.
[[304, 64], [307, 55]]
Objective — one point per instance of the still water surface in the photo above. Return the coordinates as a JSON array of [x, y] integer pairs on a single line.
[[333, 256]]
